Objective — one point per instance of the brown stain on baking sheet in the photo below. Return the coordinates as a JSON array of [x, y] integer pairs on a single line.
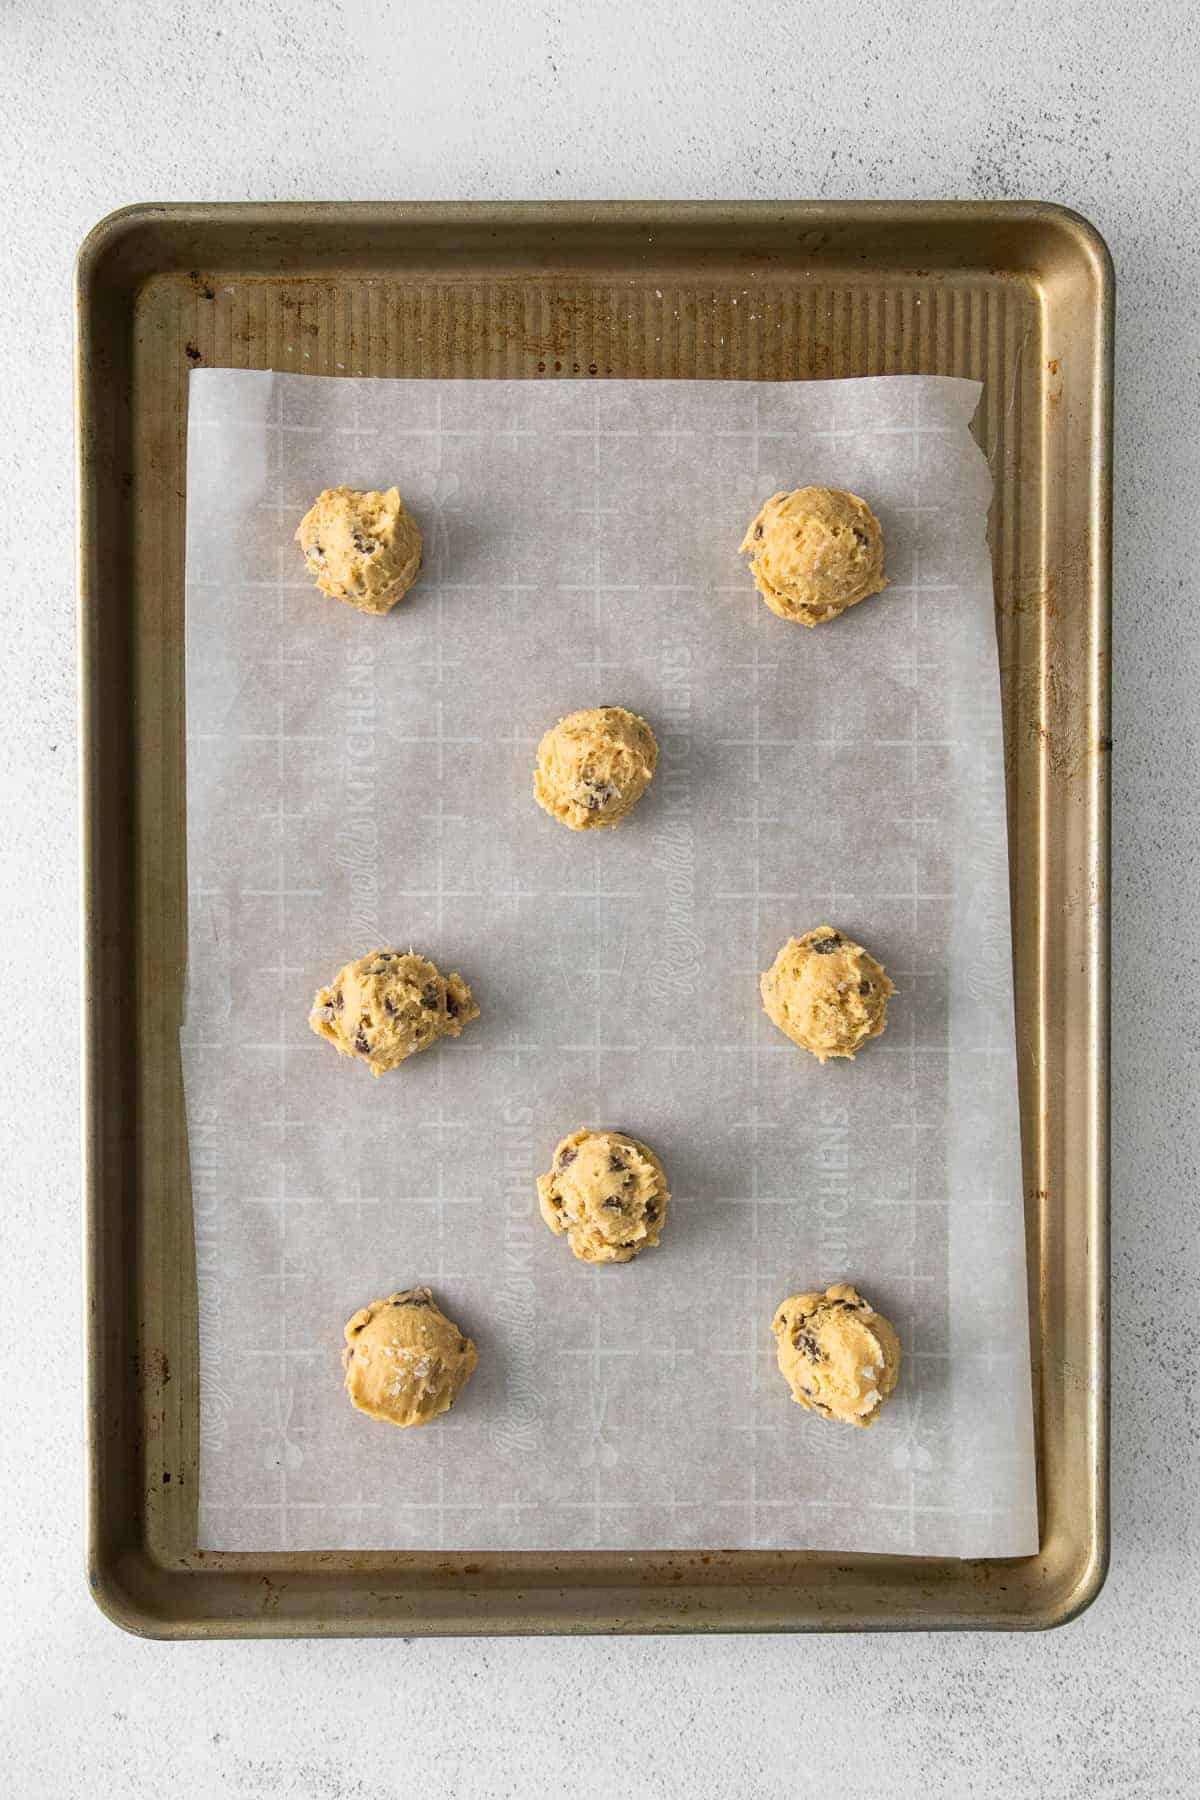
[[1051, 705], [1031, 595], [1054, 386]]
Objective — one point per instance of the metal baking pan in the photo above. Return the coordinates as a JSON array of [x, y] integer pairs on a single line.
[[1020, 295]]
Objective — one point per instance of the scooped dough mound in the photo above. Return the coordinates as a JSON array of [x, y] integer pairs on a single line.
[[608, 1193], [361, 547], [826, 993], [594, 766], [814, 552], [405, 1361], [387, 1006], [838, 1356]]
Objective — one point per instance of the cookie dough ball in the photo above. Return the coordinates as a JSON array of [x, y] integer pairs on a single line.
[[838, 1356], [362, 548], [387, 1006], [826, 993], [608, 1193], [814, 552], [593, 767], [405, 1361]]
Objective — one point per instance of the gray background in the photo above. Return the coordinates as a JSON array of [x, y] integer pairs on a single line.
[[1093, 104]]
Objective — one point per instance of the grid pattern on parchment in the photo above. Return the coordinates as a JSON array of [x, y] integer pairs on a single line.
[[356, 782]]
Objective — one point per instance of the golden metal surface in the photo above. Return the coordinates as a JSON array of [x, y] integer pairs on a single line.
[[1020, 295]]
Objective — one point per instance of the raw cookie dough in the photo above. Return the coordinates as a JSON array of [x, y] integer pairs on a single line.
[[362, 548], [387, 1006], [593, 767], [837, 1355], [826, 993], [814, 552], [608, 1193], [405, 1361]]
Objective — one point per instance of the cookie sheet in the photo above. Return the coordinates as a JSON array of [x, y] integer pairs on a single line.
[[356, 782]]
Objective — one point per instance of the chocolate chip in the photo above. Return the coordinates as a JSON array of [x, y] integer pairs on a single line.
[[651, 1212], [598, 794], [616, 1163], [363, 544], [451, 1004], [860, 537], [825, 946], [339, 999], [808, 1346], [389, 1006], [864, 987], [361, 1044], [431, 996], [412, 1298], [462, 1346], [614, 1205], [758, 531], [566, 1156]]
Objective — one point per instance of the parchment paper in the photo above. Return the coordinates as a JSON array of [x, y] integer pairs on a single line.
[[356, 782]]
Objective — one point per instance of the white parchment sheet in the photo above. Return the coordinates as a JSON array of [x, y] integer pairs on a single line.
[[357, 782]]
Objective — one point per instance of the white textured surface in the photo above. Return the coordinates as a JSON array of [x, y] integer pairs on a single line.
[[1091, 104]]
